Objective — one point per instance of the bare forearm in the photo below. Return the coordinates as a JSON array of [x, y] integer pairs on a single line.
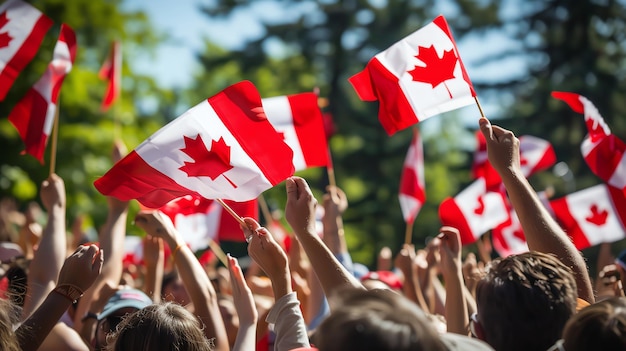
[[543, 233], [456, 306], [330, 273], [34, 330]]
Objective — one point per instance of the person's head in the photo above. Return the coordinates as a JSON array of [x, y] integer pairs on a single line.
[[524, 302], [376, 320], [166, 326], [601, 326], [381, 280], [173, 289], [121, 304]]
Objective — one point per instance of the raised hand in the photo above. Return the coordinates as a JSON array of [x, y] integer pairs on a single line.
[[53, 192], [82, 267], [301, 204], [502, 147]]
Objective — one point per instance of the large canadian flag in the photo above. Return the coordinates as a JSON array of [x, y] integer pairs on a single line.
[[474, 211], [22, 29], [416, 78], [412, 194], [603, 151], [299, 119], [199, 220], [33, 116], [111, 71], [536, 154], [592, 216], [223, 148]]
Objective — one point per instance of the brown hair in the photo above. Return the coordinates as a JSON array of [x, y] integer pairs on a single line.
[[376, 320], [9, 316], [525, 300], [601, 326], [166, 326]]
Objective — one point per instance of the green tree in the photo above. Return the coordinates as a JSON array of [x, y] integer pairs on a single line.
[[85, 134], [322, 44]]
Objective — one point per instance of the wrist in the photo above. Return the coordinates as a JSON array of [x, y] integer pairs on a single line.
[[69, 291], [89, 316]]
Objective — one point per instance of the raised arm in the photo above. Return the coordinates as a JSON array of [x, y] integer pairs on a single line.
[[300, 213], [246, 310], [200, 289], [541, 230], [456, 305], [285, 314], [48, 259], [77, 274]]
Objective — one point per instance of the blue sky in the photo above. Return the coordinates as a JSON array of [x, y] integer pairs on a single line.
[[174, 63]]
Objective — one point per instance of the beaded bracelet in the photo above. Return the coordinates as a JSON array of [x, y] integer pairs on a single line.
[[69, 291]]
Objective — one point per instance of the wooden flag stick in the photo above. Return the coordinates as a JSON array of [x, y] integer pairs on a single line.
[[218, 252], [480, 108], [231, 211], [55, 136], [330, 169], [265, 210], [408, 235]]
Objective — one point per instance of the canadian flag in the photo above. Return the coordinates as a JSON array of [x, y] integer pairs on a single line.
[[412, 194], [299, 119], [22, 29], [199, 220], [223, 148], [111, 71], [602, 150], [536, 154], [474, 211], [592, 216], [508, 238], [33, 116], [416, 78]]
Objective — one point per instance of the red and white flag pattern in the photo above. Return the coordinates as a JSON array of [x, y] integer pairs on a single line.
[[412, 193], [223, 148], [416, 78], [508, 238], [111, 71], [22, 29], [299, 119], [592, 216], [536, 154], [603, 151], [199, 220], [474, 211], [33, 116]]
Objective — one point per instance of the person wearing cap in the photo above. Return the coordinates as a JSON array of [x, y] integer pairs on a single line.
[[123, 302]]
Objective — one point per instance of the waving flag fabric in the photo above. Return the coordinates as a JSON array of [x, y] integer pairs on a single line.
[[33, 116], [222, 148], [416, 78], [602, 150], [22, 29], [412, 194], [199, 220], [535, 155], [299, 119], [592, 216], [474, 211], [111, 71]]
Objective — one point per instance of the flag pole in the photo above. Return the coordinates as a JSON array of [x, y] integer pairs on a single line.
[[480, 108], [265, 210], [330, 169], [408, 235], [218, 252], [231, 211], [55, 136]]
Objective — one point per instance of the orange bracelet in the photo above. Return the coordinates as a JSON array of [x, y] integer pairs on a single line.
[[176, 251]]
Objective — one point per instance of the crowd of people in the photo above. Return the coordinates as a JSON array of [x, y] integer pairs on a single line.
[[63, 293]]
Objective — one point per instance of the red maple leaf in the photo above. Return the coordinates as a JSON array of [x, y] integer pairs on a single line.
[[481, 206], [5, 38], [207, 163], [437, 70], [596, 216], [519, 234]]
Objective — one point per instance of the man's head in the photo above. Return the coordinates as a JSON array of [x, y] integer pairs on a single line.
[[123, 302], [524, 301]]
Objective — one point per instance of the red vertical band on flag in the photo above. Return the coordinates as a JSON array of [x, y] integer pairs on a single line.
[[309, 126], [443, 24]]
